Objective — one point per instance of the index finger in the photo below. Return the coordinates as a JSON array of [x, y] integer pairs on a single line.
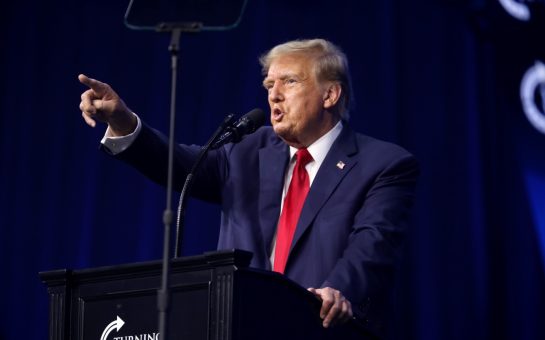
[[98, 87]]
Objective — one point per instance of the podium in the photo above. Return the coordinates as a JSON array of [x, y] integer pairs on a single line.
[[214, 296]]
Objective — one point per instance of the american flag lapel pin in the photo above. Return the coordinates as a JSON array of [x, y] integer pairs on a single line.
[[340, 165]]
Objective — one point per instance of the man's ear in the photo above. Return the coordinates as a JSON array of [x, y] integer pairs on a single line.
[[332, 95]]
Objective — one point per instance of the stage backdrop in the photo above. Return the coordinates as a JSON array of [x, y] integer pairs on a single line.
[[458, 83]]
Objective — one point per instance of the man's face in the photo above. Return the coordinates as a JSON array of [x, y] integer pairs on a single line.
[[297, 100]]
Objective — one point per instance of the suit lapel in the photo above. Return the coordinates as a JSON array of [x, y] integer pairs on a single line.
[[335, 167], [273, 162]]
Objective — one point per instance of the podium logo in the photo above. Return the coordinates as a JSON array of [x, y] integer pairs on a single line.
[[532, 95], [117, 324], [517, 9]]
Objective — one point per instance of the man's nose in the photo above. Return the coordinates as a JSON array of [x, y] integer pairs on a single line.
[[275, 94]]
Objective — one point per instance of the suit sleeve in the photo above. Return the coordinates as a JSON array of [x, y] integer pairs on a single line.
[[366, 267], [149, 155]]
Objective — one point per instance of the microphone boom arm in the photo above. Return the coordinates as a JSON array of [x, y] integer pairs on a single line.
[[189, 179]]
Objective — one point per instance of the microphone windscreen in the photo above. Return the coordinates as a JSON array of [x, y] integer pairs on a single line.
[[256, 118]]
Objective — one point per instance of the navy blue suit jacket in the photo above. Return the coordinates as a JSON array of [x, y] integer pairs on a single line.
[[352, 223]]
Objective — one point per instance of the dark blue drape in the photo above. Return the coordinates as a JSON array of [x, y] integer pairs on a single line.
[[441, 78]]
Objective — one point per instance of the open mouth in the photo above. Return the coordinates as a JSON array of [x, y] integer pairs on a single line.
[[277, 114]]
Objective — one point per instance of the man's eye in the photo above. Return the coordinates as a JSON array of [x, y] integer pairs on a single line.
[[290, 81]]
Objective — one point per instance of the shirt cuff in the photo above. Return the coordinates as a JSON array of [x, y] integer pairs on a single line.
[[119, 144]]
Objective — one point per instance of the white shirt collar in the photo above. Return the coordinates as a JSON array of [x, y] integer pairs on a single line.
[[319, 149]]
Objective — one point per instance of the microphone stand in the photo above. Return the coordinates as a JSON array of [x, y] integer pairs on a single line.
[[176, 30], [180, 221]]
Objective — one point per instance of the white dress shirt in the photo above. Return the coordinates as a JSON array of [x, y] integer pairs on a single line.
[[119, 144]]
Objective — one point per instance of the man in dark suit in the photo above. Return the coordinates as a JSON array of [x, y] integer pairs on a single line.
[[309, 197]]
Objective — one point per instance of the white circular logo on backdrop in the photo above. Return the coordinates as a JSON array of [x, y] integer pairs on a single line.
[[532, 88], [517, 9]]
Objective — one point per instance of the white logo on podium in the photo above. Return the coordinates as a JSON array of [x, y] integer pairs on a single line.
[[117, 323]]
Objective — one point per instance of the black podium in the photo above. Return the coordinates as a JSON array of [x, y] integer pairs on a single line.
[[214, 296]]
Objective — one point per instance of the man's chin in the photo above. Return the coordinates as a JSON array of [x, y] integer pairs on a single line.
[[281, 131], [288, 138]]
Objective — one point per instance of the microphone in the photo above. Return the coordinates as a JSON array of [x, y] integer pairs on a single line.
[[246, 125]]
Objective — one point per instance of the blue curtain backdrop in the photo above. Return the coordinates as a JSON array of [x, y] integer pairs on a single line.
[[441, 78]]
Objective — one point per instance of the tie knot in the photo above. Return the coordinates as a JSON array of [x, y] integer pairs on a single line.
[[303, 157]]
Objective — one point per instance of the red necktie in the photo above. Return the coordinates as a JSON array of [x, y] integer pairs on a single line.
[[293, 203]]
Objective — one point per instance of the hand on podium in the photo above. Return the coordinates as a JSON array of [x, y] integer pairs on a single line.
[[336, 309], [102, 103]]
